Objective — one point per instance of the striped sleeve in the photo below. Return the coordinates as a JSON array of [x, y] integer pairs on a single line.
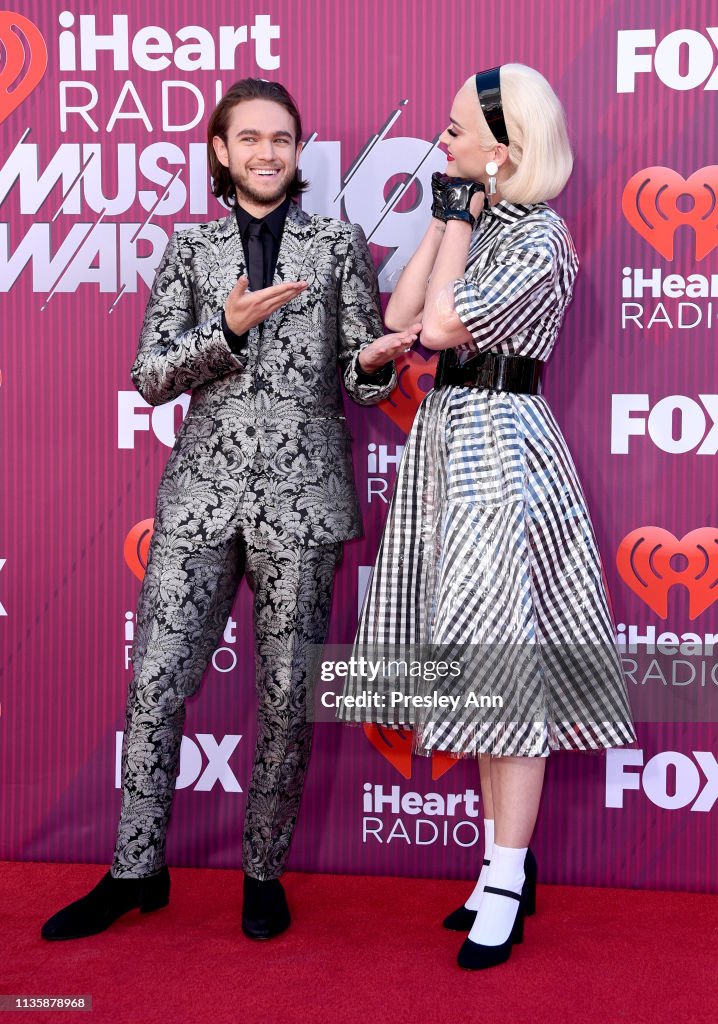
[[513, 291]]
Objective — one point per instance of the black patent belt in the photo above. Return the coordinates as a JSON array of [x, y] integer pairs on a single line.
[[519, 374]]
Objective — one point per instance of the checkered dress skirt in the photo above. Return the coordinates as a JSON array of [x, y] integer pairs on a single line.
[[488, 553]]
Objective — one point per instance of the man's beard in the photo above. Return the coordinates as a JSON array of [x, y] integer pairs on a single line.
[[245, 189]]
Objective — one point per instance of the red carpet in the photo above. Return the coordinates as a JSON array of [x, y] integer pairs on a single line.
[[361, 949]]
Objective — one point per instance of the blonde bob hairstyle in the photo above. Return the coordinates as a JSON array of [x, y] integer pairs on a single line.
[[539, 149]]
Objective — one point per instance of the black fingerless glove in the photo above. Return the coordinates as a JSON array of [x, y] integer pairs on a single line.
[[456, 195], [437, 191]]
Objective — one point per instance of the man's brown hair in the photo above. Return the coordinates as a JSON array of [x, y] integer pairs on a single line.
[[247, 89]]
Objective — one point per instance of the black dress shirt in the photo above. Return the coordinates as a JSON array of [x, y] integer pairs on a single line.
[[272, 228]]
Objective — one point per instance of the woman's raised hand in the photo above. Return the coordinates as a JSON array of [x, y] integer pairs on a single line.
[[456, 198]]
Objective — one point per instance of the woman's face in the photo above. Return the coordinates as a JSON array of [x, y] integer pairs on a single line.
[[466, 158]]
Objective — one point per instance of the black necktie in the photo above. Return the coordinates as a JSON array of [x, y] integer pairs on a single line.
[[255, 254]]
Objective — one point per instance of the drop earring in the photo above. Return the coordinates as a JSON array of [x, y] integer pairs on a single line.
[[492, 169]]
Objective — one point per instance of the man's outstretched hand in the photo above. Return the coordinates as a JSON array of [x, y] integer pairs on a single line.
[[383, 350], [244, 309]]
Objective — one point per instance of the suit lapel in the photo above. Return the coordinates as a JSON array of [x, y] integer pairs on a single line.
[[294, 249], [231, 253]]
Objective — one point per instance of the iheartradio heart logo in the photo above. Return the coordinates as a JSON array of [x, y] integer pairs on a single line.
[[647, 558], [650, 205], [23, 60], [415, 376], [137, 546], [441, 763], [395, 746]]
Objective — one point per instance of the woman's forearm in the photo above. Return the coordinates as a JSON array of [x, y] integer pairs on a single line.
[[441, 327], [407, 300]]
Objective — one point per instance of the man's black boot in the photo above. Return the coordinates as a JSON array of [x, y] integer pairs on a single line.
[[264, 911], [110, 899]]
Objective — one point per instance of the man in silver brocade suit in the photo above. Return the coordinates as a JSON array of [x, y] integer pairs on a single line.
[[252, 313]]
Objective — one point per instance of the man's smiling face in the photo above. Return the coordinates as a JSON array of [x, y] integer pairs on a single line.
[[261, 152]]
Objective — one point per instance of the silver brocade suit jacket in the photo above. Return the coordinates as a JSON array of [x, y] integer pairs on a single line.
[[267, 428]]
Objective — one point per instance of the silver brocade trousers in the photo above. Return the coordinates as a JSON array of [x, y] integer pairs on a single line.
[[186, 598]]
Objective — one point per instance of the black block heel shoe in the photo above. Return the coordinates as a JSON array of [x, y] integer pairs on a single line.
[[110, 899], [528, 891], [462, 919], [475, 957]]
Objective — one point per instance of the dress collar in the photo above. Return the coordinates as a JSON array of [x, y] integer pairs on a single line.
[[509, 212]]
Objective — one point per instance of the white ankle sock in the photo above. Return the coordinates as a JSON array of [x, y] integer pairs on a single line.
[[496, 914], [475, 898]]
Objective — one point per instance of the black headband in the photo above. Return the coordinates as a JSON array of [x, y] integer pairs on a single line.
[[488, 86]]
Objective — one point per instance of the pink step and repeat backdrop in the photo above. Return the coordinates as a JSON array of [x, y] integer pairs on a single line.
[[102, 156]]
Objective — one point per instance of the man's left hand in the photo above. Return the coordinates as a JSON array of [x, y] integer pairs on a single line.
[[384, 350]]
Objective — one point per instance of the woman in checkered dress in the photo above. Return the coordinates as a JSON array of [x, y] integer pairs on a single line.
[[488, 557]]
